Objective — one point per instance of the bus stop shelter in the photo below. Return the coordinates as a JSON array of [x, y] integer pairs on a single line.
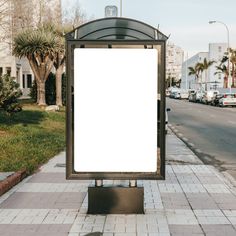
[[115, 108]]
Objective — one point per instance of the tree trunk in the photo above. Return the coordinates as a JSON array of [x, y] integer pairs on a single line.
[[41, 93], [37, 83], [233, 76], [59, 72]]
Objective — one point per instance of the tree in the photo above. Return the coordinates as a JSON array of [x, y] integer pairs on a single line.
[[9, 92], [59, 64], [194, 71], [39, 47], [222, 69], [204, 67]]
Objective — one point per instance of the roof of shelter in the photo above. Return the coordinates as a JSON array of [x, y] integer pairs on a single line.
[[116, 28]]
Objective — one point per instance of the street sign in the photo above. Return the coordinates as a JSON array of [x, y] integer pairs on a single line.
[[111, 11]]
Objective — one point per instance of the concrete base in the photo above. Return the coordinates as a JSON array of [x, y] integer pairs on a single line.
[[115, 200]]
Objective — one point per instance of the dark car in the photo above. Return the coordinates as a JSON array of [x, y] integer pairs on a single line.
[[215, 101]]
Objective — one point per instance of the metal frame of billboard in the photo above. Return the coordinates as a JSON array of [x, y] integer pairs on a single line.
[[118, 33]]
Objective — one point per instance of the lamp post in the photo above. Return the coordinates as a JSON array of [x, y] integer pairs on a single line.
[[121, 8], [228, 49]]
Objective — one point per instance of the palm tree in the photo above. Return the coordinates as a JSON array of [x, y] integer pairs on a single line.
[[222, 69], [233, 61], [194, 71], [204, 67], [59, 59], [39, 47]]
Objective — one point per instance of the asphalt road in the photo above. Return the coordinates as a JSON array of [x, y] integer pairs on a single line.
[[210, 131]]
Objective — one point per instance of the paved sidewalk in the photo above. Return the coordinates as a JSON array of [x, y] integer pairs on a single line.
[[195, 199]]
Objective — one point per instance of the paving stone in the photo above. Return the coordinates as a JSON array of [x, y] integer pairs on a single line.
[[35, 230], [188, 178], [53, 187], [219, 230], [54, 178], [225, 201], [211, 217], [209, 179], [174, 201], [186, 230], [169, 188], [193, 188], [44, 201], [181, 217], [201, 201], [182, 169]]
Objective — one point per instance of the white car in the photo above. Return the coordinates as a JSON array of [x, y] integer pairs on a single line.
[[184, 94], [228, 100], [199, 96], [209, 96]]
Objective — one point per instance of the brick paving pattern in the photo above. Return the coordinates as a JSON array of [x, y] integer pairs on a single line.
[[194, 200]]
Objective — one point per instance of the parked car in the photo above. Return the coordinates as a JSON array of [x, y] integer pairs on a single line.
[[209, 96], [184, 94], [227, 100], [177, 95], [192, 97], [173, 91], [199, 96], [215, 101]]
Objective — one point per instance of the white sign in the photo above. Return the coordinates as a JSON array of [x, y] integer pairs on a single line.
[[115, 110], [111, 11]]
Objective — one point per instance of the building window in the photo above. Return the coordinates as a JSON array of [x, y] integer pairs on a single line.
[[1, 70], [8, 69], [29, 81], [23, 80]]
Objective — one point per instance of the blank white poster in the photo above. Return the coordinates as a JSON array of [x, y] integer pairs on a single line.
[[115, 110]]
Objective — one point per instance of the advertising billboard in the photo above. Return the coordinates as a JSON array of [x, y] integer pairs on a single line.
[[115, 110]]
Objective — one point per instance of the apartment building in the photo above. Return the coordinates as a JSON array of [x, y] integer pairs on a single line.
[[174, 60], [215, 53]]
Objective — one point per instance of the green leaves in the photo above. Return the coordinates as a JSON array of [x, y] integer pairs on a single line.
[[9, 92]]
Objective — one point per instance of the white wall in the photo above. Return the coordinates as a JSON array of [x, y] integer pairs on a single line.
[[216, 52]]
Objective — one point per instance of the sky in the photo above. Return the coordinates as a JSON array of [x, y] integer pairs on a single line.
[[186, 21]]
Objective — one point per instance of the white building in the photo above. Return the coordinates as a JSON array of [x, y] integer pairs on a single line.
[[19, 15], [174, 60], [215, 53], [192, 81]]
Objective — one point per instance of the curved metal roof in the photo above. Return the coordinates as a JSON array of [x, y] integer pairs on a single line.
[[116, 28]]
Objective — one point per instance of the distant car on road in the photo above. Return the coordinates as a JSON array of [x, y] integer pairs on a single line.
[[227, 100], [184, 94], [199, 95], [209, 96], [215, 101], [177, 95]]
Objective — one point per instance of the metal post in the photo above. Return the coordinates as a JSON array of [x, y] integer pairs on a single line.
[[186, 71], [228, 49], [121, 8], [98, 182], [133, 183]]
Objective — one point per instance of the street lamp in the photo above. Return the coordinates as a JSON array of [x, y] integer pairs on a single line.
[[228, 49]]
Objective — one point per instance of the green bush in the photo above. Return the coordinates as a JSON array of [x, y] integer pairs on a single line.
[[9, 92], [50, 88]]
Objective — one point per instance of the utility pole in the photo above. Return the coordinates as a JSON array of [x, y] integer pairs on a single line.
[[186, 71], [121, 5]]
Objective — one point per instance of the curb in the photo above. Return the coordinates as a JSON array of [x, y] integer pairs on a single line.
[[11, 181]]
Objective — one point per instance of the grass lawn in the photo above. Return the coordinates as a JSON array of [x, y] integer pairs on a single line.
[[30, 138]]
